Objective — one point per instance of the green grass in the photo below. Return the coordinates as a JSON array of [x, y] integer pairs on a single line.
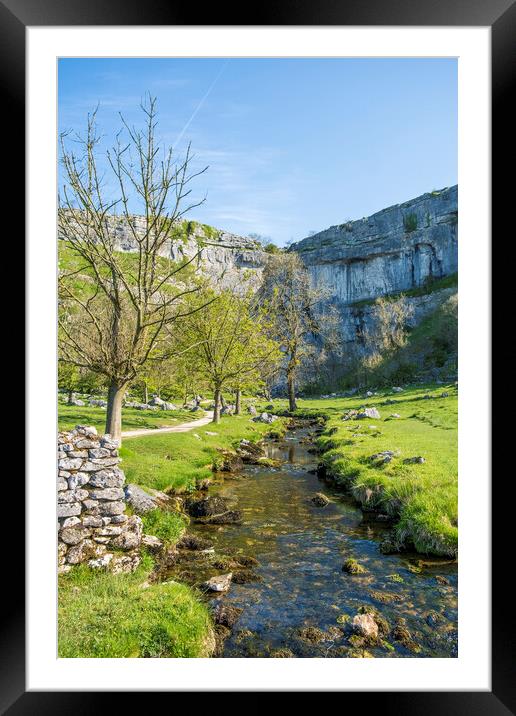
[[175, 461], [167, 526], [421, 497], [104, 615], [132, 419]]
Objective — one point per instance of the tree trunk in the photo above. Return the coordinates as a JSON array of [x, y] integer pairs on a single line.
[[291, 392], [238, 401], [216, 409], [116, 394], [70, 397], [145, 393]]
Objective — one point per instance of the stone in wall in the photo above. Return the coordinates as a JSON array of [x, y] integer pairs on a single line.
[[91, 503]]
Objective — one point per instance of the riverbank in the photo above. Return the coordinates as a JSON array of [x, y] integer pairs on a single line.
[[303, 565], [142, 614], [402, 463], [103, 615]]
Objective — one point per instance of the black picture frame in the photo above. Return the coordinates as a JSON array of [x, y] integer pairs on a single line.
[[500, 16]]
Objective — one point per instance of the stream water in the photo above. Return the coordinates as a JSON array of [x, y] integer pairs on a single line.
[[300, 550]]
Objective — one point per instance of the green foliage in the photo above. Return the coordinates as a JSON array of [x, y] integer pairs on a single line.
[[272, 248], [102, 615], [167, 526], [410, 222]]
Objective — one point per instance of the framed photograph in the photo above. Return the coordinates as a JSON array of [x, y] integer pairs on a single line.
[[265, 407]]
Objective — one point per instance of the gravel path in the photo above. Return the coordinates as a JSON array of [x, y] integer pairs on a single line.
[[181, 428]]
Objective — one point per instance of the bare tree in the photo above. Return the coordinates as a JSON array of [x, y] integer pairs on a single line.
[[387, 332], [115, 306], [292, 303]]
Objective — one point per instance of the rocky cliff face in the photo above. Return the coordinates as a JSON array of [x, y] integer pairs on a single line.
[[394, 250], [397, 249], [221, 255]]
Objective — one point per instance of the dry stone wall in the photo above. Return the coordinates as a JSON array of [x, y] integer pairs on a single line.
[[91, 504]]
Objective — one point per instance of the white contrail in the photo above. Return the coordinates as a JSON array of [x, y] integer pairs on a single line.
[[200, 104]]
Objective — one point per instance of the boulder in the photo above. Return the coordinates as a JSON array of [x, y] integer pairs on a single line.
[[194, 543], [168, 406], [251, 410], [351, 566], [365, 625], [152, 543], [139, 500], [267, 418], [320, 500], [207, 506], [397, 389], [231, 517], [226, 614], [250, 452], [220, 583], [382, 457], [368, 413], [414, 460]]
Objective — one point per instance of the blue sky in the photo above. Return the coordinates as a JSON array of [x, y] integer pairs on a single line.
[[293, 145]]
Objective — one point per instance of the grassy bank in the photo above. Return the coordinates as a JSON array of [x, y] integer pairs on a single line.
[[132, 419], [421, 497], [102, 615], [176, 461], [112, 616]]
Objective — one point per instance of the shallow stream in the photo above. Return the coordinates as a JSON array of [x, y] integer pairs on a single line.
[[300, 550]]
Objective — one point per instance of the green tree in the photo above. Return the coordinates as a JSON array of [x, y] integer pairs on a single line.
[[230, 342]]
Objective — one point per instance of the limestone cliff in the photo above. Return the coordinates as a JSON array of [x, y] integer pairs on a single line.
[[221, 255], [396, 249]]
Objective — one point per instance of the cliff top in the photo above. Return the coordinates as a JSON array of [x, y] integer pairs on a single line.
[[394, 222]]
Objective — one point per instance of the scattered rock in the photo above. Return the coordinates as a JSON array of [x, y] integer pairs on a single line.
[[397, 389], [414, 460], [207, 506], [250, 452], [251, 410], [311, 634], [351, 566], [282, 654], [226, 614], [231, 517], [152, 543], [193, 542], [231, 462], [395, 415], [140, 501], [383, 457], [220, 583], [246, 576], [320, 500], [365, 625], [441, 580], [368, 413], [265, 418]]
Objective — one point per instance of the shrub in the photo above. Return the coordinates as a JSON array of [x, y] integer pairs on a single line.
[[410, 222]]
